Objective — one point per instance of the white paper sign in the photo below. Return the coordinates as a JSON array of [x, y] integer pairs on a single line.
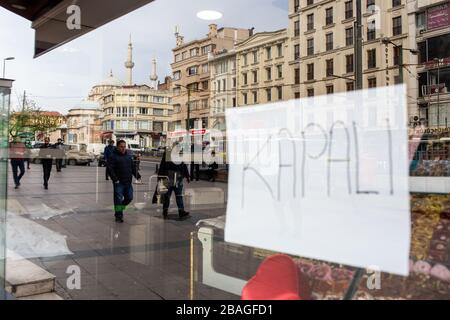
[[323, 177]]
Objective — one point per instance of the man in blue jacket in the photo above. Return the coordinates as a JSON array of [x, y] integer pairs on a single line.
[[109, 149], [121, 170]]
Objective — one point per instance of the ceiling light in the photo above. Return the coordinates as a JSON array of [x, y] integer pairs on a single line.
[[19, 7], [209, 15]]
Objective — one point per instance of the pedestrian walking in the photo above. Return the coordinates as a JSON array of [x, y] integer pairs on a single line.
[[176, 173], [17, 152], [195, 167], [137, 161], [46, 154], [109, 149], [121, 169], [60, 153], [28, 154]]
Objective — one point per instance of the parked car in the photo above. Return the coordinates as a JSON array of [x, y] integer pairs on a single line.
[[102, 163], [101, 160], [77, 154]]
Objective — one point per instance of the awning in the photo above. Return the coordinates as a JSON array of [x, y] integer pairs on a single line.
[[57, 22]]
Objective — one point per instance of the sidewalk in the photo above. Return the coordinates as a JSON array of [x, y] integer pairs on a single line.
[[144, 258]]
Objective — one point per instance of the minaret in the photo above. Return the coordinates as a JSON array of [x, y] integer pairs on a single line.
[[178, 37], [129, 64], [153, 75]]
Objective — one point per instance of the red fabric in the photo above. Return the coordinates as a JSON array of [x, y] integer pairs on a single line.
[[277, 278]]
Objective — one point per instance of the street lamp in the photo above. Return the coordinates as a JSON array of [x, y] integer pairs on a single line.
[[387, 41], [342, 77], [4, 62]]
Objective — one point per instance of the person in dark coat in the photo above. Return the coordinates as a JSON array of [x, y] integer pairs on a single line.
[[176, 173], [17, 151], [60, 153], [46, 154], [121, 169], [109, 149]]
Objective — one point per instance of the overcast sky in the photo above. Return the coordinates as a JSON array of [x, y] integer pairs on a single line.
[[59, 80]]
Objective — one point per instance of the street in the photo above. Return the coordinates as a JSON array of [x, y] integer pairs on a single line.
[[144, 258]]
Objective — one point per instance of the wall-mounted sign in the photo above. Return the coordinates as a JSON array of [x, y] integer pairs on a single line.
[[438, 16], [323, 177]]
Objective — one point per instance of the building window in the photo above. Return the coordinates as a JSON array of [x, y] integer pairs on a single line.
[[206, 49], [371, 30], [255, 57], [244, 75], [349, 63], [396, 3], [255, 97], [310, 92], [280, 93], [397, 26], [296, 5], [310, 71], [349, 9], [194, 52], [205, 68], [372, 58], [310, 22], [296, 52], [177, 57], [370, 3], [330, 67], [280, 50], [329, 41], [158, 112], [244, 96], [255, 76], [269, 53], [330, 89], [184, 55], [205, 85], [177, 75], [372, 83], [269, 94], [245, 59], [349, 36], [309, 2], [329, 16], [310, 47], [280, 71], [234, 82], [192, 71], [350, 86], [269, 73], [234, 102], [297, 76], [297, 95], [296, 28], [157, 126]]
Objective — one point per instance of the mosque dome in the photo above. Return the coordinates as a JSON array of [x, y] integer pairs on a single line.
[[111, 81]]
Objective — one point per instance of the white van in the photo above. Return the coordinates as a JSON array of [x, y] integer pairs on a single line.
[[96, 148]]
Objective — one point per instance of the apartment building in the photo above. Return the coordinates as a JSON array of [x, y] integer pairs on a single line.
[[433, 39], [137, 113], [262, 68], [223, 86], [84, 125], [324, 39], [192, 76]]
